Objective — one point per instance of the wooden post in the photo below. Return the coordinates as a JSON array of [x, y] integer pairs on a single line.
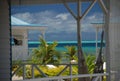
[[32, 71], [5, 50], [24, 74]]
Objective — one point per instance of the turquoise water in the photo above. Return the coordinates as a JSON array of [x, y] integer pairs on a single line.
[[86, 50], [87, 46]]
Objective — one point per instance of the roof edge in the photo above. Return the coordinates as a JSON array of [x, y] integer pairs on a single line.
[[33, 2]]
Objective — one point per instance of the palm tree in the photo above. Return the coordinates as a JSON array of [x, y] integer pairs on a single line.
[[71, 51], [46, 53], [90, 61]]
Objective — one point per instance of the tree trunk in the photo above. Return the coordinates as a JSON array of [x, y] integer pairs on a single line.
[[82, 67]]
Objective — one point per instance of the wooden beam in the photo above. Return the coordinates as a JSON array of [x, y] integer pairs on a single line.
[[88, 9]]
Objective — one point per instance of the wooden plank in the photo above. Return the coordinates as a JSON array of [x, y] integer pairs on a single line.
[[5, 46], [3, 21], [4, 29], [5, 61], [4, 53], [5, 71], [4, 41], [4, 65], [33, 2], [4, 32], [5, 79], [3, 35], [4, 75]]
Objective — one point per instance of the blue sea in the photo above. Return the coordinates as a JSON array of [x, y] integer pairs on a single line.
[[87, 46]]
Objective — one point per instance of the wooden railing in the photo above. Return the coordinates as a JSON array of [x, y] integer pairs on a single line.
[[97, 77], [32, 66]]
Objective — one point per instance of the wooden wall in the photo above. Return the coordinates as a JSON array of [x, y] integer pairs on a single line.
[[114, 39], [4, 41]]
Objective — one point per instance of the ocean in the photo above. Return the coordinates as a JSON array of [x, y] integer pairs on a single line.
[[89, 47]]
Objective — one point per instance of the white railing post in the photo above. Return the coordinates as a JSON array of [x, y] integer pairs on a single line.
[[100, 78], [24, 72], [59, 79], [70, 72], [32, 71], [96, 79]]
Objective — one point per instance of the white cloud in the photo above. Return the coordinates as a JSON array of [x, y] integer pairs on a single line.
[[59, 22], [27, 17], [94, 18], [63, 16], [91, 17]]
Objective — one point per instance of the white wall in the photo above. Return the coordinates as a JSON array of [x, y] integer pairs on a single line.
[[20, 52], [4, 42]]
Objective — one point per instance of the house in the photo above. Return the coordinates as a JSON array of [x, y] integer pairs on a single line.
[[20, 31]]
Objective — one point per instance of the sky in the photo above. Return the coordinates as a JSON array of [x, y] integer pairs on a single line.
[[61, 26]]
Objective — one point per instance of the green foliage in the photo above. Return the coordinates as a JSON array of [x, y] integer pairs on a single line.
[[46, 53], [71, 52], [47, 71], [90, 61], [14, 66]]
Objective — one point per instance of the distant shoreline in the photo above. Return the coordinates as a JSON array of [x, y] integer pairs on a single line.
[[87, 46], [66, 43]]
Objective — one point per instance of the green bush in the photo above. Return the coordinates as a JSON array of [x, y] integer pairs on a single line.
[[54, 71]]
